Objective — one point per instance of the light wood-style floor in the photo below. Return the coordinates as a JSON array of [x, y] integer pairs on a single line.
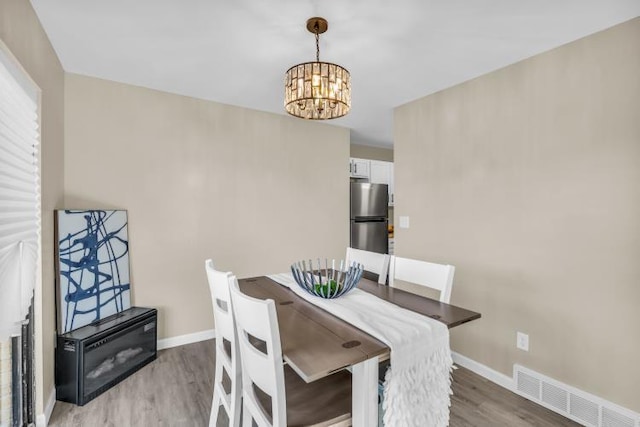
[[176, 390]]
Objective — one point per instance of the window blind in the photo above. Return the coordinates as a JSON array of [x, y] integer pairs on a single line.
[[19, 197]]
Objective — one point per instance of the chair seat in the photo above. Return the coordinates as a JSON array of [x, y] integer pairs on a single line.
[[324, 402]]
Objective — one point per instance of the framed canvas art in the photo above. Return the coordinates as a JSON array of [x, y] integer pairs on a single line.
[[92, 266]]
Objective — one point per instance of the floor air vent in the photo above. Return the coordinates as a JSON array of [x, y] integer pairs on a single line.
[[575, 404], [555, 396], [528, 385], [614, 419], [584, 410]]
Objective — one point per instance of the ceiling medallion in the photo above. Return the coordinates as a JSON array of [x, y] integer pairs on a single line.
[[317, 90]]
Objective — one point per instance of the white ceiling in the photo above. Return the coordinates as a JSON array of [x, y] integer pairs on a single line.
[[236, 51]]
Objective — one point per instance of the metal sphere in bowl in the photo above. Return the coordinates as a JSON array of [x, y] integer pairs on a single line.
[[327, 281]]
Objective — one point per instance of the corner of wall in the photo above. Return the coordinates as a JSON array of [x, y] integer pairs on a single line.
[[42, 420]]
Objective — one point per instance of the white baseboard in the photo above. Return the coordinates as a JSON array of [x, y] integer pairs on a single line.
[[42, 420], [186, 339], [501, 379]]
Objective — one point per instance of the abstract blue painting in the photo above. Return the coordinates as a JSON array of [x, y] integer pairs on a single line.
[[92, 266]]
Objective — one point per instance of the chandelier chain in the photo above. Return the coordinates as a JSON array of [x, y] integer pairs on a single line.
[[317, 44]]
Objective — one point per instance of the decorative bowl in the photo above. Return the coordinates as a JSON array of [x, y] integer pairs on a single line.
[[326, 281]]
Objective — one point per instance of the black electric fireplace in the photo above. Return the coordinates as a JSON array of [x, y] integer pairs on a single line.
[[94, 358]]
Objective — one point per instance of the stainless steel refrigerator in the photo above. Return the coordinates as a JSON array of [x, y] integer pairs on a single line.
[[369, 217]]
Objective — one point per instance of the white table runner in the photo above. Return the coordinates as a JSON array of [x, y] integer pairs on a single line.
[[417, 388]]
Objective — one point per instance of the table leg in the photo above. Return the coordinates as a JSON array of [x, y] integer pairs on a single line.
[[364, 382]]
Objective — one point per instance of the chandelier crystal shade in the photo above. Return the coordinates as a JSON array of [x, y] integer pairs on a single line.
[[317, 90]]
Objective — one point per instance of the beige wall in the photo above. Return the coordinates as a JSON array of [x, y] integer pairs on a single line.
[[372, 153], [527, 179], [254, 191], [21, 31]]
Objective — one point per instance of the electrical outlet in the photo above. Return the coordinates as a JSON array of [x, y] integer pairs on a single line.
[[522, 341]]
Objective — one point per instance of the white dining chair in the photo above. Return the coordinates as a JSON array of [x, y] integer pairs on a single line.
[[435, 276], [372, 261], [227, 351], [273, 395]]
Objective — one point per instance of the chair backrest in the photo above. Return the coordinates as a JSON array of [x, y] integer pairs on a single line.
[[222, 313], [227, 350], [428, 274], [372, 261], [256, 318]]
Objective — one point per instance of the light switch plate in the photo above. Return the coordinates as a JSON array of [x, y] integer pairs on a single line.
[[404, 222]]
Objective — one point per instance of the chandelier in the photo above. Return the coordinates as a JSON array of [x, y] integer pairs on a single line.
[[317, 90]]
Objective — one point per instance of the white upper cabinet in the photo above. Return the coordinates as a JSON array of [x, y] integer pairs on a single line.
[[359, 168], [379, 172], [382, 173]]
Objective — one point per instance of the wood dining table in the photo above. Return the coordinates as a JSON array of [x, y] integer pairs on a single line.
[[316, 344]]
